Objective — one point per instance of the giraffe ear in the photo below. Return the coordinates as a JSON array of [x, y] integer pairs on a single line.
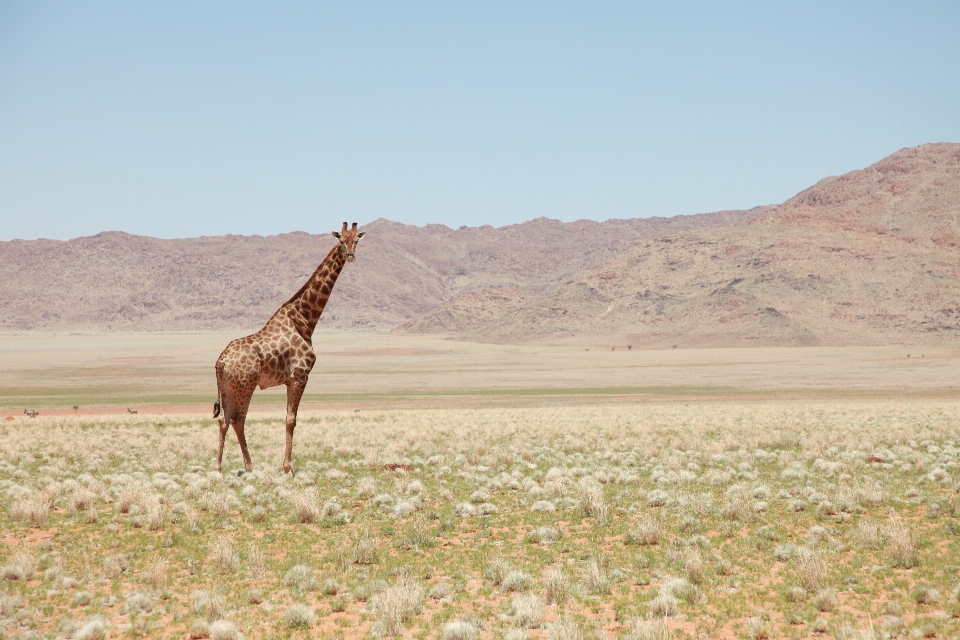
[[336, 234], [361, 234]]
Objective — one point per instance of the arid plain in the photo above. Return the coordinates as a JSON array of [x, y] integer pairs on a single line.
[[110, 372], [453, 489]]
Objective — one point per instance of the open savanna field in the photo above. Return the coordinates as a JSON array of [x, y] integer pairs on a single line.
[[446, 489]]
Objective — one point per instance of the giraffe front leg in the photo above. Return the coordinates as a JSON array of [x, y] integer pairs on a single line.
[[294, 393], [238, 429]]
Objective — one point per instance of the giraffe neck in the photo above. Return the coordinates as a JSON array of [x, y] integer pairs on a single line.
[[313, 295]]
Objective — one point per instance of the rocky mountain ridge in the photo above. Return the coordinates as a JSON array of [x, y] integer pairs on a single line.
[[119, 282]]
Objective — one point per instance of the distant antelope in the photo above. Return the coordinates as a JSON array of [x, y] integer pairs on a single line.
[[31, 413], [129, 410]]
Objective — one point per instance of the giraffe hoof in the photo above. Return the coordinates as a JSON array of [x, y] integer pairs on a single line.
[[240, 473]]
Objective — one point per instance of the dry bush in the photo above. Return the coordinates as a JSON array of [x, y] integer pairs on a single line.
[[396, 605], [364, 549], [93, 629], [199, 628], [515, 581], [224, 557], [458, 630], [901, 546], [497, 570], [115, 564], [638, 629], [256, 563], [868, 534], [556, 588], [738, 506], [366, 488], [592, 503], [543, 506], [925, 594], [871, 493], [299, 576], [129, 495], [83, 498], [20, 566], [156, 573], [644, 532], [693, 566], [209, 606], [565, 628], [305, 506], [33, 508], [825, 600], [299, 616], [595, 579], [224, 630], [137, 603], [479, 496], [527, 610], [758, 629], [152, 507], [811, 570], [664, 605]]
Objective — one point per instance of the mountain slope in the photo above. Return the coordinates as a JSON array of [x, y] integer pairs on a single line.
[[117, 282], [869, 257]]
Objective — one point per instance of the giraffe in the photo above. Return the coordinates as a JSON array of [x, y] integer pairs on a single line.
[[280, 353]]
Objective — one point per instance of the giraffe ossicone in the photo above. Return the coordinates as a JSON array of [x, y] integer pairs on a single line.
[[279, 353]]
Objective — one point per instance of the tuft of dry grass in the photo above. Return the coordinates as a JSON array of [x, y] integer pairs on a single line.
[[458, 630], [497, 570], [592, 503], [20, 566], [644, 532], [556, 588], [396, 605], [365, 549], [256, 563], [299, 616], [811, 570], [527, 610], [900, 544], [33, 508], [157, 573], [638, 629], [565, 628], [224, 557]]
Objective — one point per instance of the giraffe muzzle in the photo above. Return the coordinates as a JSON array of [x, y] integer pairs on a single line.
[[350, 257]]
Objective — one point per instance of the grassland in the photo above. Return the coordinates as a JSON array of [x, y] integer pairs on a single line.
[[723, 520], [521, 492]]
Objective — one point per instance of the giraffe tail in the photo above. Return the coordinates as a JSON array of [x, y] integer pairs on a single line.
[[216, 408]]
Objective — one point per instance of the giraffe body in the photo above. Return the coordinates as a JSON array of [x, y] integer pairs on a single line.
[[281, 353]]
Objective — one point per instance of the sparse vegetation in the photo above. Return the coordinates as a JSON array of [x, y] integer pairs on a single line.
[[653, 511]]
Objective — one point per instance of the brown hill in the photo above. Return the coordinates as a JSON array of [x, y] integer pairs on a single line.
[[869, 257], [118, 282], [467, 311]]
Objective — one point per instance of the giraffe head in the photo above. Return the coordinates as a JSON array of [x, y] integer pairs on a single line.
[[348, 240]]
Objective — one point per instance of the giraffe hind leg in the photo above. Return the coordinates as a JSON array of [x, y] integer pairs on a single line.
[[227, 416]]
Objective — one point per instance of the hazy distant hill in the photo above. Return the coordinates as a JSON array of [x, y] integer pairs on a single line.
[[869, 257], [118, 282]]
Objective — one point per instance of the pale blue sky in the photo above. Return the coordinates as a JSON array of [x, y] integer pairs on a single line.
[[186, 118]]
